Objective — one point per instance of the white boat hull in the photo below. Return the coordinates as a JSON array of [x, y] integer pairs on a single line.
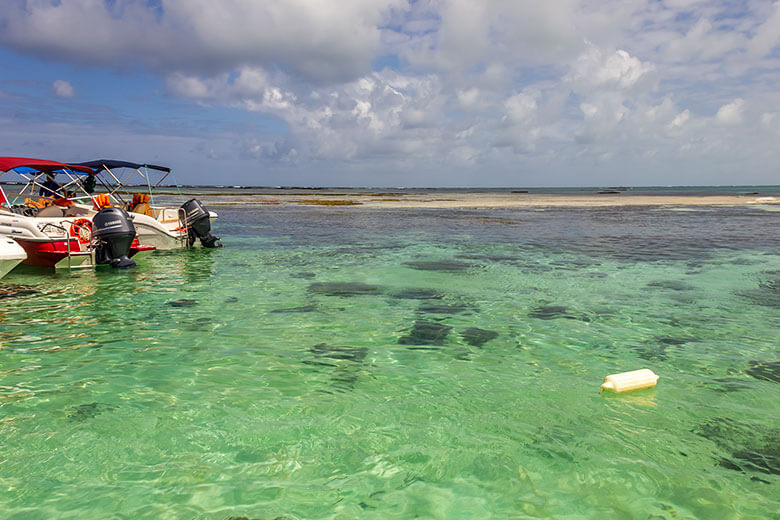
[[11, 255], [165, 235]]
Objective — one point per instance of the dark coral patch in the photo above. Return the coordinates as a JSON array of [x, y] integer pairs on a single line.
[[767, 294], [550, 312], [667, 340], [304, 308], [184, 302], [477, 337], [417, 294], [354, 354], [752, 448], [426, 333], [435, 308], [304, 275], [766, 371], [441, 265], [88, 411], [672, 285], [344, 289]]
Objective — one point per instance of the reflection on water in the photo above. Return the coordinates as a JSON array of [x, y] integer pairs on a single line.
[[401, 364]]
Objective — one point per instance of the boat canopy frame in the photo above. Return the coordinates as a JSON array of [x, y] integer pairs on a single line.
[[115, 188], [31, 170]]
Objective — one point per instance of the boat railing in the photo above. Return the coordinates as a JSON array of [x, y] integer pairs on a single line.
[[63, 227]]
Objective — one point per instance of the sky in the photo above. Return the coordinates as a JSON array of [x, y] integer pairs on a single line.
[[393, 93]]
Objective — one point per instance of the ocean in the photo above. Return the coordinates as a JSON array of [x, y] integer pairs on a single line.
[[380, 363]]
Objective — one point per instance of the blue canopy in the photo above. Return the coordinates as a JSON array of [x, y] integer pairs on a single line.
[[111, 163]]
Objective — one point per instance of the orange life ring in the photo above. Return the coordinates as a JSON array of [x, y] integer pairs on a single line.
[[81, 228]]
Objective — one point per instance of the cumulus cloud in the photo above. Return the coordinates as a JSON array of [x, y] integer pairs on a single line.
[[767, 35], [596, 69], [312, 38], [731, 113], [63, 89]]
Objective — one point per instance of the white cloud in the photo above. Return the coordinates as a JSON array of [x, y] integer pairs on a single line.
[[680, 119], [520, 107], [469, 99], [767, 35], [309, 37], [63, 89], [595, 69], [731, 113]]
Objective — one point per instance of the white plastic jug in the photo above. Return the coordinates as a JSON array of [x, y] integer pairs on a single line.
[[630, 381]]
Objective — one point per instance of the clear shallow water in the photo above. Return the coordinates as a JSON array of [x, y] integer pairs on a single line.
[[332, 363]]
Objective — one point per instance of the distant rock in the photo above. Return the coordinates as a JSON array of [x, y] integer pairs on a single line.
[[344, 289], [426, 333], [477, 337]]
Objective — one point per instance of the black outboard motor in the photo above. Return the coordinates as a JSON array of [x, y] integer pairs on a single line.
[[196, 220], [114, 231]]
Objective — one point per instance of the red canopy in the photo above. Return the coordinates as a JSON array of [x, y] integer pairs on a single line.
[[9, 163]]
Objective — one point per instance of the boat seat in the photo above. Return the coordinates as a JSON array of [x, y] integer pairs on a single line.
[[143, 208], [52, 211]]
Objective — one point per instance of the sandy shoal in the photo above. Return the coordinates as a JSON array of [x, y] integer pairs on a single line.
[[499, 200]]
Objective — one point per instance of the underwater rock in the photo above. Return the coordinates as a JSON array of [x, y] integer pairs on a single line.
[[354, 354], [344, 289], [426, 333], [651, 352], [489, 258], [232, 299], [672, 284], [667, 340], [417, 294], [441, 265], [763, 296], [433, 308], [184, 302], [765, 370], [550, 312], [477, 337], [728, 384], [16, 291], [88, 411], [304, 308], [305, 276], [752, 448], [574, 263], [657, 351]]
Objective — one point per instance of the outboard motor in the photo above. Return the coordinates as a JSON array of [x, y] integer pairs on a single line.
[[114, 231], [196, 220]]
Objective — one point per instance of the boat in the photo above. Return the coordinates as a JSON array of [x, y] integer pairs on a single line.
[[11, 254], [64, 231], [163, 227]]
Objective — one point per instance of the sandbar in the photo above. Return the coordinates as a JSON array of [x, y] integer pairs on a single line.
[[452, 200]]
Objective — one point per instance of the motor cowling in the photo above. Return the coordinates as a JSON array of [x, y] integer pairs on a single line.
[[113, 230], [198, 225]]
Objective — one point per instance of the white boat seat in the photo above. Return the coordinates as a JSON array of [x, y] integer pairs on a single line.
[[52, 211]]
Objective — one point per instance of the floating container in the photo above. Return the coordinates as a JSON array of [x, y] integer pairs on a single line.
[[630, 381]]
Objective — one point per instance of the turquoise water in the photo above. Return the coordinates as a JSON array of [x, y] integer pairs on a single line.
[[360, 363]]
